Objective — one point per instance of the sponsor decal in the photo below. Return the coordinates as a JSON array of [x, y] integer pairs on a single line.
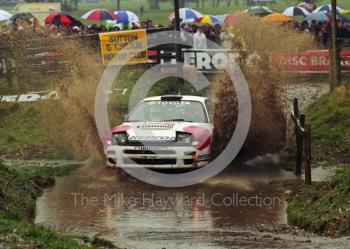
[[150, 148], [204, 157], [158, 126], [151, 138]]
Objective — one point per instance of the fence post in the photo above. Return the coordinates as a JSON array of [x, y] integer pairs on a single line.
[[334, 55], [297, 138], [307, 154]]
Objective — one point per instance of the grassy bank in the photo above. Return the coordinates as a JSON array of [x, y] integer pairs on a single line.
[[26, 135], [47, 130], [330, 122], [18, 192], [324, 207]]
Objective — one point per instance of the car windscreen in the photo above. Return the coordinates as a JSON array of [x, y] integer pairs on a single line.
[[162, 111]]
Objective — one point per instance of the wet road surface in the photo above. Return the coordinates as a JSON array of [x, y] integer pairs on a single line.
[[94, 200]]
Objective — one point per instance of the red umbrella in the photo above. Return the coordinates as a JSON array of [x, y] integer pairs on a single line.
[[230, 18], [59, 18]]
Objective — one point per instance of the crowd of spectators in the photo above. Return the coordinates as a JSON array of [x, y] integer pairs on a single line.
[[198, 33], [321, 30]]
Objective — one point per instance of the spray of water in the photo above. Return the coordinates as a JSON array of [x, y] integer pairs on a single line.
[[259, 40]]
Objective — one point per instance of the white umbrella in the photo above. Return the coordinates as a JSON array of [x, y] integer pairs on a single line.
[[4, 15], [125, 16], [186, 14], [326, 8], [296, 11]]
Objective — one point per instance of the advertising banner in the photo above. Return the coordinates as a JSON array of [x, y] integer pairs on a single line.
[[124, 47], [30, 97], [312, 61]]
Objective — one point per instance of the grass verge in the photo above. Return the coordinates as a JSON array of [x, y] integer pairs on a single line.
[[324, 207], [330, 121], [18, 192], [38, 130]]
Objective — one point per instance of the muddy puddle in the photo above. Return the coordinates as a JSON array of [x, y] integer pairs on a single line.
[[94, 200]]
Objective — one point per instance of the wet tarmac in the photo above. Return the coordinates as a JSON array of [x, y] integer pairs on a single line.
[[131, 214]]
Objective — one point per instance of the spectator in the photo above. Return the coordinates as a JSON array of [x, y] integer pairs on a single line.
[[227, 38], [199, 39], [142, 11]]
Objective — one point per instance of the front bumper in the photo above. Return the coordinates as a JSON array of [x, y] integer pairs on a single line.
[[156, 157]]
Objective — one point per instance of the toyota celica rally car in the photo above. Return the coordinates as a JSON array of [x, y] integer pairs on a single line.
[[163, 132]]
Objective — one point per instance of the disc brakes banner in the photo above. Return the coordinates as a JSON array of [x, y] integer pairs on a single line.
[[312, 61], [124, 47]]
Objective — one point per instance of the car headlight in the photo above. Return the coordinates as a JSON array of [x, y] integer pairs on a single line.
[[183, 138], [119, 138]]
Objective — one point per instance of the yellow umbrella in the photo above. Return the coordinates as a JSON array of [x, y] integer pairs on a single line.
[[277, 17], [344, 11], [206, 19]]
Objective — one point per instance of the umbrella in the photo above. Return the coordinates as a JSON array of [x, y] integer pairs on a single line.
[[344, 11], [277, 17], [258, 10], [296, 11], [59, 18], [207, 19], [318, 17], [186, 14], [22, 15], [230, 18], [4, 15], [308, 6], [126, 17], [327, 8], [221, 17], [99, 15]]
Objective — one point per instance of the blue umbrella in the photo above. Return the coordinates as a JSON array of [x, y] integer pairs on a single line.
[[221, 18]]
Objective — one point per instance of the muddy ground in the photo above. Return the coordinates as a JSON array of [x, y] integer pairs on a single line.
[[131, 214]]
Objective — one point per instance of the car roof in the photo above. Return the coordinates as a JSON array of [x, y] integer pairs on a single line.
[[184, 98]]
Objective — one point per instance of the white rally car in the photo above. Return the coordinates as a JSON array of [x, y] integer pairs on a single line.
[[163, 132]]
